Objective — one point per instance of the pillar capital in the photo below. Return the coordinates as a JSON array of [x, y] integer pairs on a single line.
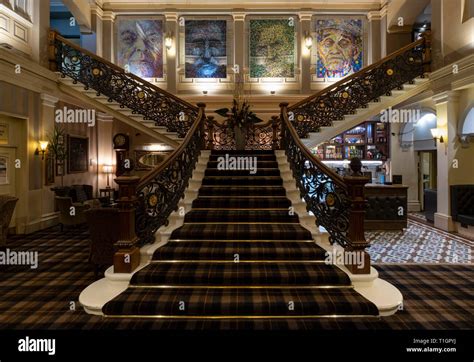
[[171, 16], [305, 16], [374, 15], [446, 96], [240, 16], [48, 100], [97, 11], [104, 117], [108, 16]]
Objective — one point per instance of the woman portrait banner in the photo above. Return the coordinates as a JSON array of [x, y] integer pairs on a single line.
[[339, 44]]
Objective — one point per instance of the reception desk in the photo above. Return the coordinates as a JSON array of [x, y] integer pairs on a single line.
[[387, 207]]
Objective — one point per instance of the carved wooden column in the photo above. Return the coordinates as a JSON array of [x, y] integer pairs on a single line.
[[355, 233], [127, 256]]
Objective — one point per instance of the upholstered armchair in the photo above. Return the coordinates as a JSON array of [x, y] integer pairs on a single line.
[[102, 223], [64, 204], [7, 206]]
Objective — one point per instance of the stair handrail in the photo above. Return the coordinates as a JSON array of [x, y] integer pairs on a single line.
[[128, 89], [368, 84], [160, 190], [337, 202]]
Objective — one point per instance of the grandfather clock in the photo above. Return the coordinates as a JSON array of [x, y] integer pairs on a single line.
[[121, 143]]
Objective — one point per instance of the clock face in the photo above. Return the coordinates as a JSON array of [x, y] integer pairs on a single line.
[[120, 140]]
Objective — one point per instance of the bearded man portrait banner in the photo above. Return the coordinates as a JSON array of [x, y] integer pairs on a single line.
[[339, 44], [206, 49]]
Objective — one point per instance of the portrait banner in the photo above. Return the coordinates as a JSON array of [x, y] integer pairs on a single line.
[[272, 48], [339, 47], [140, 47], [205, 48]]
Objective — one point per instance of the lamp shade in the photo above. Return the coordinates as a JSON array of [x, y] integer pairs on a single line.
[[435, 132], [107, 168], [43, 145]]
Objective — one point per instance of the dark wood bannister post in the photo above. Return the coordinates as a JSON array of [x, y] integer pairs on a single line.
[[52, 50], [202, 108], [210, 133], [127, 256], [275, 136], [355, 234]]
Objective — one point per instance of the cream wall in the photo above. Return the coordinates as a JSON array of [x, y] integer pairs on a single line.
[[453, 38]]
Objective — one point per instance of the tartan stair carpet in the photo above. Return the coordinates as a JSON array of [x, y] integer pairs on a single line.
[[238, 255]]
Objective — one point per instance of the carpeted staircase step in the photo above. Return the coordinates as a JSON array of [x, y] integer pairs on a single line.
[[291, 250], [199, 274], [242, 152], [260, 157], [227, 216], [260, 164], [241, 203], [243, 181], [257, 172], [241, 232], [242, 191], [235, 302]]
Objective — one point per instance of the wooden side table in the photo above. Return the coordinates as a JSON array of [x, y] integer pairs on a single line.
[[107, 192]]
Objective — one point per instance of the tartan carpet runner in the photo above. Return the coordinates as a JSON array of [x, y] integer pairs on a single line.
[[240, 253]]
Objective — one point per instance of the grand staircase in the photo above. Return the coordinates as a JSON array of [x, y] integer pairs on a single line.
[[240, 251], [240, 254]]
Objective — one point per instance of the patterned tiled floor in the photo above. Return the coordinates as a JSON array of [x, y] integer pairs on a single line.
[[419, 243]]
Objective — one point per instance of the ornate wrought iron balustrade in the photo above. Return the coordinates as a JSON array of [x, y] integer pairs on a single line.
[[128, 90], [324, 191], [357, 90], [159, 191], [264, 136]]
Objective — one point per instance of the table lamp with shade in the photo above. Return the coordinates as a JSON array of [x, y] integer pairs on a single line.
[[108, 169]]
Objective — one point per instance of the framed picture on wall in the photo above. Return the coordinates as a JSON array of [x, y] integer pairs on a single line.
[[140, 46], [272, 48], [3, 170], [78, 154], [49, 169], [340, 49], [205, 48]]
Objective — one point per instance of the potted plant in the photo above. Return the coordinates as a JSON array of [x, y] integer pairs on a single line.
[[239, 117]]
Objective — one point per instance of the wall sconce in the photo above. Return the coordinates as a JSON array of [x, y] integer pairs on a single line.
[[168, 41], [272, 92], [308, 41], [204, 92], [43, 145], [437, 135], [107, 169]]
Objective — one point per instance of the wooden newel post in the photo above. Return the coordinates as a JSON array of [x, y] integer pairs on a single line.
[[275, 140], [210, 133], [127, 255], [53, 66], [360, 258]]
